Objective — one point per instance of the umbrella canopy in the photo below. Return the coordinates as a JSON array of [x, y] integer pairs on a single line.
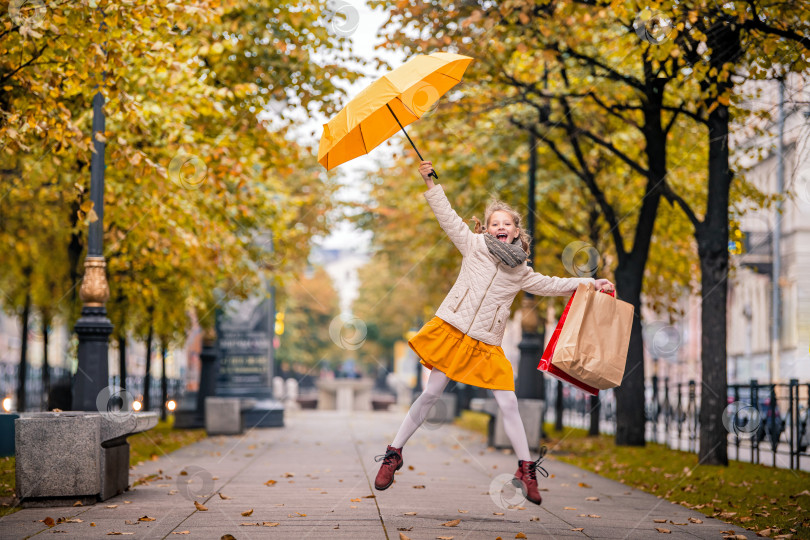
[[395, 100]]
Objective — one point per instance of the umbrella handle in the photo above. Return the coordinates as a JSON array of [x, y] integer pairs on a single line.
[[433, 172]]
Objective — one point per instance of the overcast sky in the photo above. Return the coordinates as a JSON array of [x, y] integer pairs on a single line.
[[361, 25]]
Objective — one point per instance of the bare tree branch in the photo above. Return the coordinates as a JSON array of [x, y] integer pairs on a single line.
[[674, 198], [26, 64]]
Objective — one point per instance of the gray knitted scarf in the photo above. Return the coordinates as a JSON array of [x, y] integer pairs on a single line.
[[511, 254]]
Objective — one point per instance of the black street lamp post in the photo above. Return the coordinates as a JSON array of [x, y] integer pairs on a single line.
[[93, 327]]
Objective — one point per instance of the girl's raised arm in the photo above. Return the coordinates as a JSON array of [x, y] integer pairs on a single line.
[[458, 231]]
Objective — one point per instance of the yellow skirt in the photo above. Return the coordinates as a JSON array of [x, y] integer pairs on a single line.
[[464, 359]]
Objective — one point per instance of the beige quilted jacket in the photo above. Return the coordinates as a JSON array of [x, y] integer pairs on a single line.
[[478, 304]]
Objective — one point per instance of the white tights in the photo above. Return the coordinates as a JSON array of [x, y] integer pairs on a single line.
[[437, 381]]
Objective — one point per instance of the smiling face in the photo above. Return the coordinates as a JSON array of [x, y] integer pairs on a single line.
[[502, 226]]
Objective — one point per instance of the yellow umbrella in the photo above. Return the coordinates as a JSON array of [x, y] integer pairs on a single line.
[[389, 104]]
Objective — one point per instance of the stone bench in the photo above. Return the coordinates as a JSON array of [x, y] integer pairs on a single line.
[[344, 394], [382, 402], [223, 416], [531, 411], [63, 457]]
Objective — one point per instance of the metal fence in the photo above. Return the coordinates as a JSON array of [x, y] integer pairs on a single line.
[[37, 400], [765, 423]]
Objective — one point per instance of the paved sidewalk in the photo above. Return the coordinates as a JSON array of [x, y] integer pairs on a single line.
[[313, 479]]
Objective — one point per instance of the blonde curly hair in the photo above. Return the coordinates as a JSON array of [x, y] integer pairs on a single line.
[[500, 206]]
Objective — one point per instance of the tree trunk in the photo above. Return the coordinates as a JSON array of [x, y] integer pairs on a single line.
[[147, 378], [74, 250], [630, 394], [630, 418], [164, 383], [46, 368], [122, 362], [595, 407], [712, 240], [23, 371]]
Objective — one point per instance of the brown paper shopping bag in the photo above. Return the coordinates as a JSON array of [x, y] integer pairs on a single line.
[[592, 346]]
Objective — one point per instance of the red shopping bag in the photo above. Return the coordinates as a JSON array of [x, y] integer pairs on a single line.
[[545, 364]]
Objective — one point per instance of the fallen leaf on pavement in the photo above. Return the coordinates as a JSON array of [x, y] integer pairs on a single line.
[[580, 529], [596, 516], [583, 484], [463, 511], [740, 537], [181, 532], [200, 507], [535, 518], [403, 537], [356, 500], [227, 537], [409, 514], [569, 508], [695, 520], [249, 524], [49, 521], [451, 523], [675, 523], [223, 496], [112, 506], [146, 518], [662, 530], [269, 523], [130, 522], [118, 533], [659, 521], [288, 475], [418, 487], [372, 496], [591, 498], [497, 513], [247, 513], [183, 473], [270, 483], [520, 535], [445, 537], [765, 532], [68, 520], [78, 503], [405, 528]]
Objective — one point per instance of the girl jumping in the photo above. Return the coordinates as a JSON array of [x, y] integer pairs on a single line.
[[462, 342]]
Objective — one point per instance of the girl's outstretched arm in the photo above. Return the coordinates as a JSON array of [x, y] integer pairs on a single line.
[[541, 285], [458, 231]]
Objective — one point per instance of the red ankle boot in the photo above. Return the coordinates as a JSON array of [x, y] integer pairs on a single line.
[[391, 463], [527, 476]]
